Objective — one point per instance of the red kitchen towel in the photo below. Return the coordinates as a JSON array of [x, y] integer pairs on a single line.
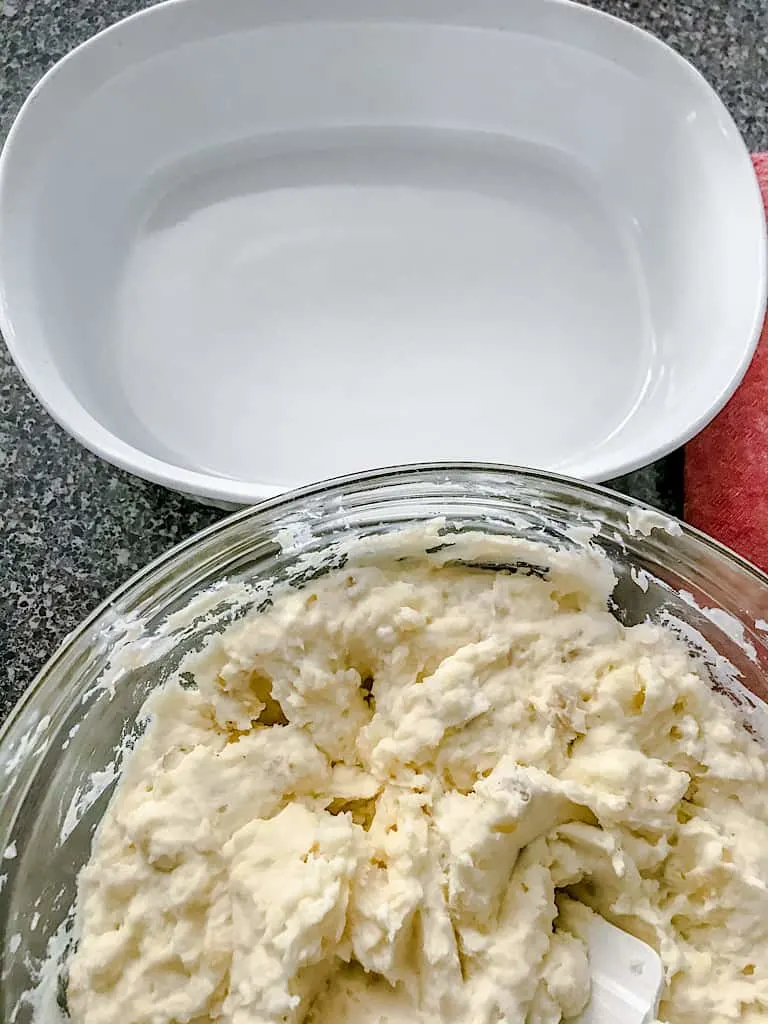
[[726, 466]]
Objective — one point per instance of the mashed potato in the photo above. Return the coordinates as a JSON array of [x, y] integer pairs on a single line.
[[391, 796]]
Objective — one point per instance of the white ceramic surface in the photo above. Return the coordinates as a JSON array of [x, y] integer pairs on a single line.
[[249, 243]]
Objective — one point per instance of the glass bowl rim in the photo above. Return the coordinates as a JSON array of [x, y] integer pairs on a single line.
[[174, 558]]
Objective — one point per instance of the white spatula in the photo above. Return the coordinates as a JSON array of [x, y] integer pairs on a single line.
[[627, 977]]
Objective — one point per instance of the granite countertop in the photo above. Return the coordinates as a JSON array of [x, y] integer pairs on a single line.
[[73, 528]]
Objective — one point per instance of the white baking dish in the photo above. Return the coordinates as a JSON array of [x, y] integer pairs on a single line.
[[245, 244]]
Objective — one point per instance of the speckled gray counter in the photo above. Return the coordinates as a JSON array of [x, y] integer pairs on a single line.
[[73, 528]]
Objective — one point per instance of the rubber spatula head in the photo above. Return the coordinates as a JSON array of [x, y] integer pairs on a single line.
[[627, 976]]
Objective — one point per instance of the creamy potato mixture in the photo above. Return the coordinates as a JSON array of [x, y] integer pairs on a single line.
[[392, 796]]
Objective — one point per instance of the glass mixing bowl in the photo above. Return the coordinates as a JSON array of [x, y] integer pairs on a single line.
[[60, 749]]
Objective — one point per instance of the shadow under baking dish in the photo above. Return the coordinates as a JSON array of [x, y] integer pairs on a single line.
[[316, 302]]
